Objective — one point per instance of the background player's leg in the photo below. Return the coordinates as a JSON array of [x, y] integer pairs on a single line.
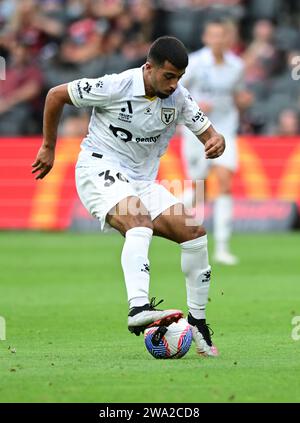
[[195, 266], [223, 216], [197, 167]]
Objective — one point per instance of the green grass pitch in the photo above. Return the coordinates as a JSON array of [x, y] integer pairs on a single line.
[[63, 298]]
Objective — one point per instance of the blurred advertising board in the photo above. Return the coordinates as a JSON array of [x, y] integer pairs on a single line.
[[266, 187]]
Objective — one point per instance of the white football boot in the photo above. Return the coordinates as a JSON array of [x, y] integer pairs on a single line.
[[225, 257], [140, 318], [202, 337]]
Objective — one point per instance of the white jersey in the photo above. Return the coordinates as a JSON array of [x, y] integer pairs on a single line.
[[216, 84], [130, 128]]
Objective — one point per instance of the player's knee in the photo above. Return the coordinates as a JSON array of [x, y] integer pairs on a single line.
[[137, 222], [225, 185], [196, 232]]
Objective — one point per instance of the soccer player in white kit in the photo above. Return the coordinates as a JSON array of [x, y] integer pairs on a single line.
[[214, 78], [134, 116]]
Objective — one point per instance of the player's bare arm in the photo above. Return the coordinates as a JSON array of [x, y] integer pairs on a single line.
[[56, 98], [206, 107], [213, 142], [243, 99]]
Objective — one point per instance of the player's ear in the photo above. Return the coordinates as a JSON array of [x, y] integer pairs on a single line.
[[148, 65]]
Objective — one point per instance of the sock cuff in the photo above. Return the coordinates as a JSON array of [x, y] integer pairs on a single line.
[[138, 302], [194, 244], [141, 231]]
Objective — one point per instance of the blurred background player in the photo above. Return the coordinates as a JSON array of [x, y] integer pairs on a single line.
[[215, 79]]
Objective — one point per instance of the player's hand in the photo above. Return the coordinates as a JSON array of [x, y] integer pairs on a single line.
[[214, 147], [43, 162]]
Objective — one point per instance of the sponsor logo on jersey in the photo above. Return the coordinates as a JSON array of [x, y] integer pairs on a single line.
[[126, 136], [147, 139], [121, 133], [167, 115], [126, 113]]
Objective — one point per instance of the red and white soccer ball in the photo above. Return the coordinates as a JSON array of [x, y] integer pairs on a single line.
[[172, 341]]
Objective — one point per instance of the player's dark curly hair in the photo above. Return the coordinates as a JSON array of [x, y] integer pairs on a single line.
[[170, 49]]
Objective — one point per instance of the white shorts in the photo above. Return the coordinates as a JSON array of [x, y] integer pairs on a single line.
[[101, 185], [196, 163]]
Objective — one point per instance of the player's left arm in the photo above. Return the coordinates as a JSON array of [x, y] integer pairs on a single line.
[[214, 143], [242, 97]]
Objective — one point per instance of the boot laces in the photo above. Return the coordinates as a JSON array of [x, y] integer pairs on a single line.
[[206, 332], [152, 305]]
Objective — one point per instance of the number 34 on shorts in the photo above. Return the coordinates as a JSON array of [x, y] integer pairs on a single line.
[[110, 179]]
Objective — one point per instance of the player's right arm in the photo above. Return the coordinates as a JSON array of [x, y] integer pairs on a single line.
[[56, 98], [80, 93]]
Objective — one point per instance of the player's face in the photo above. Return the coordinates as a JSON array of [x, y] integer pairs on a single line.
[[164, 79], [215, 37]]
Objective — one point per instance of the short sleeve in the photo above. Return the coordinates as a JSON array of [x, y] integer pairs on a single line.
[[192, 116], [189, 78], [91, 92]]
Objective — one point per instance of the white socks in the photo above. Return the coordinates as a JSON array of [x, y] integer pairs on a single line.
[[135, 265], [223, 210], [195, 266]]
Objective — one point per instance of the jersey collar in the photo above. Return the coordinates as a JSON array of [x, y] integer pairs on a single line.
[[138, 82], [207, 52]]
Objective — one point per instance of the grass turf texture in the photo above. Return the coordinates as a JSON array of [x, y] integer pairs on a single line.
[[65, 306]]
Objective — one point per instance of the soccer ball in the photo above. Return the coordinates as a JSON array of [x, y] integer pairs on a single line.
[[172, 341]]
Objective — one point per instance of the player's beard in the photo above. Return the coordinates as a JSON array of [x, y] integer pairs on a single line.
[[162, 95]]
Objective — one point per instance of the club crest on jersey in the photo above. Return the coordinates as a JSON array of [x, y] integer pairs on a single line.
[[167, 115]]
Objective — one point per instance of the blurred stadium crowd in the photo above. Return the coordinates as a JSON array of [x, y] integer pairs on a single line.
[[49, 42]]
